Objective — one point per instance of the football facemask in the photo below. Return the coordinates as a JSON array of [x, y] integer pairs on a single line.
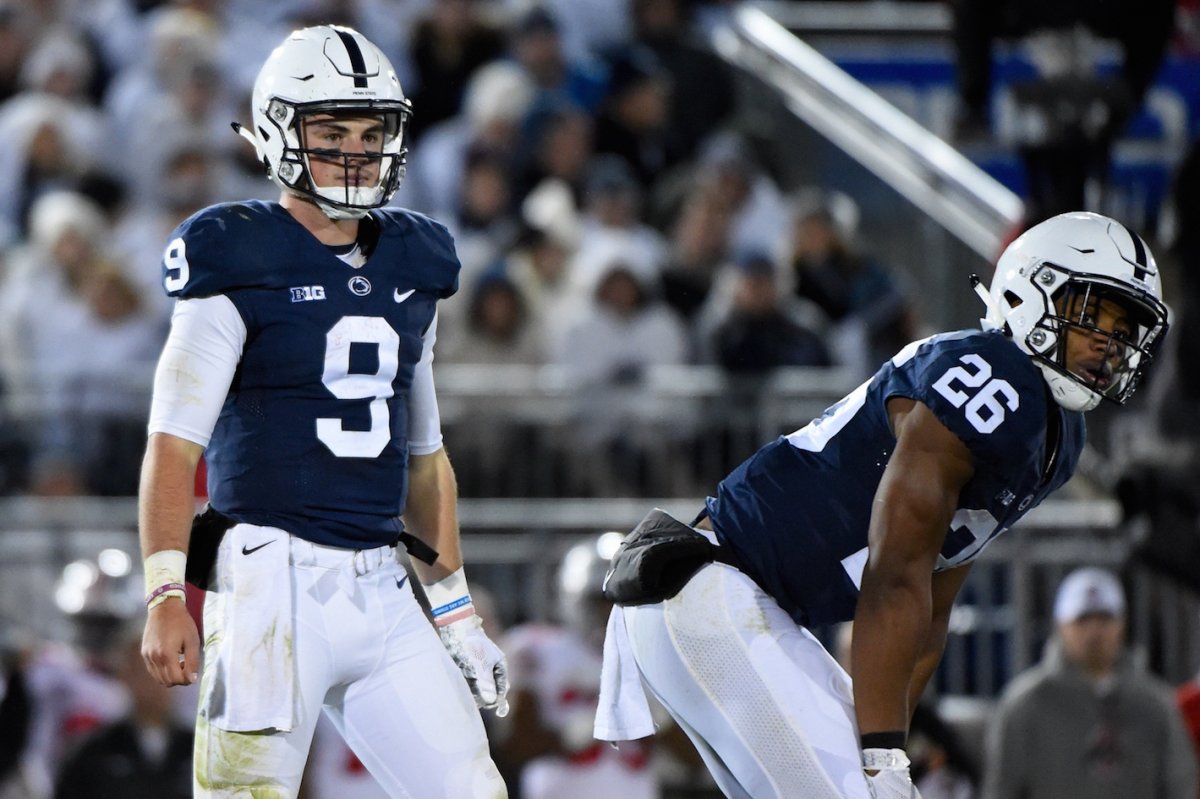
[[1100, 336], [1050, 287]]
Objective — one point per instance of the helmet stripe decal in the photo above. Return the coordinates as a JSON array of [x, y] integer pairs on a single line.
[[1139, 254], [356, 58]]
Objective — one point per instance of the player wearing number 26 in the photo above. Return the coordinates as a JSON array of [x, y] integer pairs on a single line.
[[874, 513], [299, 363]]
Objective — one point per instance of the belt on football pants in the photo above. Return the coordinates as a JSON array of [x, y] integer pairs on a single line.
[[363, 561]]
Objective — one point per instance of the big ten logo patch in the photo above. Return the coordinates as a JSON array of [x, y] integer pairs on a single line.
[[307, 293]]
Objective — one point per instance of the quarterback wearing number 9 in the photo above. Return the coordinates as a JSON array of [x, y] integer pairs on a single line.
[[299, 363], [873, 513]]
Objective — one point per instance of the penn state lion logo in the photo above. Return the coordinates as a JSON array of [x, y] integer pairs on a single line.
[[359, 286]]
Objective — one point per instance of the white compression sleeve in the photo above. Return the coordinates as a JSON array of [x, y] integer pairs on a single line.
[[424, 420], [196, 368]]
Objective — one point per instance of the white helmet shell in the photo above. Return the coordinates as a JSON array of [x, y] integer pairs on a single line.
[[581, 581], [1094, 256], [328, 69]]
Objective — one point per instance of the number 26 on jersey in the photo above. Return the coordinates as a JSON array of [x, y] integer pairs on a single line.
[[982, 397]]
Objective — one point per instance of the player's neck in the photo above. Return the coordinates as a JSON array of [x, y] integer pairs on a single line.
[[327, 231]]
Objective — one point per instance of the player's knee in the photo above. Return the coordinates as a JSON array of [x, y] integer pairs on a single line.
[[230, 765]]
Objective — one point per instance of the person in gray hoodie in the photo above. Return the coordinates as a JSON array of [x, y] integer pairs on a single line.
[[1088, 721]]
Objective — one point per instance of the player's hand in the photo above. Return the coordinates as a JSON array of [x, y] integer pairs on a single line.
[[887, 774], [171, 644], [481, 662], [892, 785]]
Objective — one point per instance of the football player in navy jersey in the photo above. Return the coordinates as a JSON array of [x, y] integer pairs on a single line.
[[873, 513], [300, 364]]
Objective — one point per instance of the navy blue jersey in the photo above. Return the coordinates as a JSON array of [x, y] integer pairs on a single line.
[[312, 437], [796, 513]]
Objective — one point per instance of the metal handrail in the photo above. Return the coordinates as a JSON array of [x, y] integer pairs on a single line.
[[919, 165], [570, 515], [887, 18]]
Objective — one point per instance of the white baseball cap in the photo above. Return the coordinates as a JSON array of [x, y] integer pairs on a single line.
[[1088, 590]]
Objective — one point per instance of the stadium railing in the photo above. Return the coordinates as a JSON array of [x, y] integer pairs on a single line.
[[514, 545]]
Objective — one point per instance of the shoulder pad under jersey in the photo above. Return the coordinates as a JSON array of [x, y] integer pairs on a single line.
[[982, 387], [227, 247], [423, 247]]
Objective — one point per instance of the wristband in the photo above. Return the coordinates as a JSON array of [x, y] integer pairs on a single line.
[[876, 760], [891, 739], [449, 599], [165, 567], [164, 592]]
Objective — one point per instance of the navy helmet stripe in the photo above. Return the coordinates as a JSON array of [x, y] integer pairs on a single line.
[[1139, 254], [356, 59]]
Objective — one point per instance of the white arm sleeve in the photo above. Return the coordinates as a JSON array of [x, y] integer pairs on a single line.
[[196, 368], [424, 421]]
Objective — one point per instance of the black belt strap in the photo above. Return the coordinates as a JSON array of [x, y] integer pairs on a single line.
[[720, 554], [417, 548]]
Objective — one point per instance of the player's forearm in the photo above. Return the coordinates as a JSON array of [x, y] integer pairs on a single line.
[[891, 622], [166, 497], [431, 513], [895, 605], [944, 587], [914, 504], [927, 664]]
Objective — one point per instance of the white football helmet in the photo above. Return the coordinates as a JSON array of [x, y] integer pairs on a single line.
[[332, 70], [581, 602], [1080, 259], [99, 595]]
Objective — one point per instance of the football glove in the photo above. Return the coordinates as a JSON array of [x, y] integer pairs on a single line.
[[481, 661], [461, 630], [891, 779]]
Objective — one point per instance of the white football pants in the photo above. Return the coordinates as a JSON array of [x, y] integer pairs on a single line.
[[768, 708], [363, 652]]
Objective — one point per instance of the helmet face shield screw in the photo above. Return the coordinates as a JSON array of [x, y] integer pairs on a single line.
[[286, 171], [1047, 277], [278, 111], [1037, 338]]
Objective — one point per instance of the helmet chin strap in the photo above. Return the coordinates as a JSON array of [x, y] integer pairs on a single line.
[[358, 200], [240, 130], [985, 321], [1066, 390], [339, 212], [331, 211]]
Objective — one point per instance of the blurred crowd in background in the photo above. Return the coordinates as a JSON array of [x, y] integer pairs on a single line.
[[611, 216], [607, 213]]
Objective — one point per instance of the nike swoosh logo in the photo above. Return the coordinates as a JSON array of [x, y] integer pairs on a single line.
[[398, 297], [607, 576], [252, 550], [400, 581]]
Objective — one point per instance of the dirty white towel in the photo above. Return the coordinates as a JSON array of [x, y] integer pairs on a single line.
[[624, 711], [251, 686]]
